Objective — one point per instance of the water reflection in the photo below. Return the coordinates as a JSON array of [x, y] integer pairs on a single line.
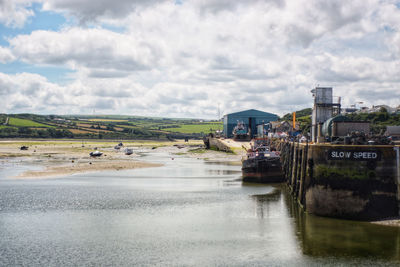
[[186, 213], [333, 238], [267, 203], [223, 163], [223, 172]]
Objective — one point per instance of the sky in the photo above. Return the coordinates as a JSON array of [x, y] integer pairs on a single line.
[[195, 58]]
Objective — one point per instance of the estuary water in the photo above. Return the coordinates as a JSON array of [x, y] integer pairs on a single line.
[[189, 212]]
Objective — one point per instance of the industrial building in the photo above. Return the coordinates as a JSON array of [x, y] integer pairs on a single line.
[[251, 118], [327, 122], [324, 108]]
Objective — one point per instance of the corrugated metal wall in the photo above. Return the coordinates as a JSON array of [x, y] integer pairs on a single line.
[[255, 116]]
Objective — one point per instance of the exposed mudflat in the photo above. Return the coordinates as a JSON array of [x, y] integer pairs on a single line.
[[392, 222], [56, 158]]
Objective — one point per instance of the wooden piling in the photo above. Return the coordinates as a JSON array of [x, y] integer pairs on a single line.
[[303, 175]]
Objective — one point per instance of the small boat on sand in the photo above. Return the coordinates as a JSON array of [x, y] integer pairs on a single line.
[[96, 153], [128, 151], [118, 146]]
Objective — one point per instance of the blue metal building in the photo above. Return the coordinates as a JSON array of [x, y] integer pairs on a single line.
[[251, 118]]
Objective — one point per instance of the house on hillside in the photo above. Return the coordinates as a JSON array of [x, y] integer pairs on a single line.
[[389, 109], [393, 131], [284, 126]]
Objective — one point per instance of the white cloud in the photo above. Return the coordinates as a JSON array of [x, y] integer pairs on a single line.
[[77, 47], [352, 69], [14, 13], [87, 11], [183, 59], [29, 92], [5, 55]]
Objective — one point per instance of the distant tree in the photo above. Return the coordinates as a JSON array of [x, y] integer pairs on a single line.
[[383, 109], [24, 131], [299, 113], [51, 132], [43, 133], [380, 117], [110, 127], [8, 132]]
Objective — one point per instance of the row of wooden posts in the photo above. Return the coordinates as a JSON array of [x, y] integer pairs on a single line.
[[297, 168]]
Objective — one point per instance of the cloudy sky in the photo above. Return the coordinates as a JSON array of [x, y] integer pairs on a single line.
[[184, 58]]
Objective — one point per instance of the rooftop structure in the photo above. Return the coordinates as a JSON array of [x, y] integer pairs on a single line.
[[324, 108]]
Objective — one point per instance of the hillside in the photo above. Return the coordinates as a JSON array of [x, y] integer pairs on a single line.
[[299, 114], [102, 127], [379, 120], [303, 116], [137, 127]]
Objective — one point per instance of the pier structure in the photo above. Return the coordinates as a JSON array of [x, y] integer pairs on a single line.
[[226, 145], [348, 177], [360, 182], [343, 181]]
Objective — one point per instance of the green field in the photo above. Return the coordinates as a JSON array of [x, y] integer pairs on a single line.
[[24, 123], [5, 127], [104, 127], [106, 120], [196, 128]]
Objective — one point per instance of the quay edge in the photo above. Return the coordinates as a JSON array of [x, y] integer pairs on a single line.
[[365, 188], [359, 182]]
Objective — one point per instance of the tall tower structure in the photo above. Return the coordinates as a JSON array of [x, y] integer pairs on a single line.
[[323, 109]]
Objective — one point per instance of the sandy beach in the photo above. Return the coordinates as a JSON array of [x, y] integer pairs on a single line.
[[393, 222], [66, 157], [92, 166]]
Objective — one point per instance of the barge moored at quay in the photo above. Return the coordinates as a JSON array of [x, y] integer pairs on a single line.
[[262, 164], [335, 173]]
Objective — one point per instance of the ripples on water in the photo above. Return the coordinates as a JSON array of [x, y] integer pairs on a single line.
[[185, 213]]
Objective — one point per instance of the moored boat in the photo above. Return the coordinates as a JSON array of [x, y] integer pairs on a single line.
[[240, 132], [96, 153], [128, 151], [262, 165]]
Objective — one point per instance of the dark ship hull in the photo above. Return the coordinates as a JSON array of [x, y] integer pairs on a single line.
[[262, 170], [241, 137]]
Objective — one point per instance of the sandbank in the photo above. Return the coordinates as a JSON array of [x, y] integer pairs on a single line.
[[67, 157], [92, 166], [393, 222]]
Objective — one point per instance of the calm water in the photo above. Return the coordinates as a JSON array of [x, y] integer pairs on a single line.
[[188, 212]]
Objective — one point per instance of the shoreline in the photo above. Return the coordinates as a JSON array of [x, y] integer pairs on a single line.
[[388, 222], [90, 167], [60, 158]]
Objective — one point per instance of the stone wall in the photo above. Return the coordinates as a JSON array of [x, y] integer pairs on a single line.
[[343, 128], [215, 143], [355, 182]]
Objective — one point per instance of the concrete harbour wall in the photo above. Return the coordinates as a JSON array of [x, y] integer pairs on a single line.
[[217, 144], [343, 181]]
